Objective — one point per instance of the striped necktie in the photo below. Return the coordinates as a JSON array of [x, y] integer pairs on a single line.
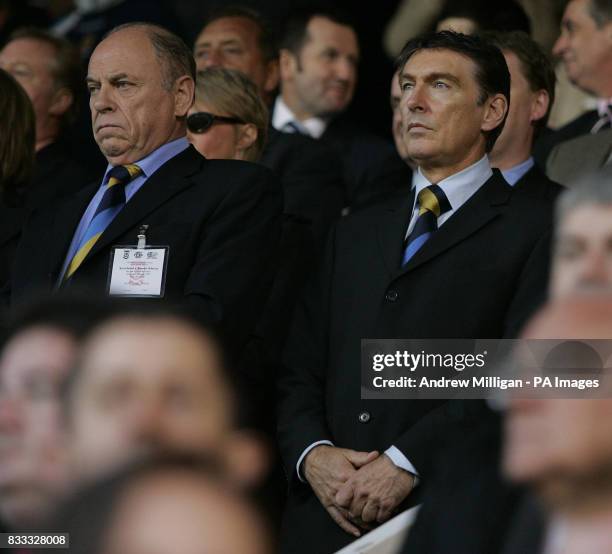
[[432, 204], [110, 205]]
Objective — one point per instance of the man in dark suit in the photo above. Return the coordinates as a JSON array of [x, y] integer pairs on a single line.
[[585, 46], [533, 94], [481, 269], [49, 71], [318, 68], [218, 221]]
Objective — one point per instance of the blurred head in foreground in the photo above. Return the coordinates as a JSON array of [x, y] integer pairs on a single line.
[[582, 255], [174, 505], [563, 447], [151, 381], [38, 353]]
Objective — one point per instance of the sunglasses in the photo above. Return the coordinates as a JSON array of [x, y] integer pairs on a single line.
[[202, 121]]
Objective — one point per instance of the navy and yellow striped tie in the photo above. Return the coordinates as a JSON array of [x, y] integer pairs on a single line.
[[110, 205], [432, 204]]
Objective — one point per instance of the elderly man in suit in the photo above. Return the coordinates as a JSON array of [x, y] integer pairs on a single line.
[[585, 46], [459, 256], [212, 225]]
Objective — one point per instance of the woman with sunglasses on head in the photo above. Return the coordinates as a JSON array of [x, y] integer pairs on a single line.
[[228, 119]]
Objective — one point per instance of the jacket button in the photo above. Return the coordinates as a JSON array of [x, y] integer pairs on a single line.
[[364, 417], [392, 295]]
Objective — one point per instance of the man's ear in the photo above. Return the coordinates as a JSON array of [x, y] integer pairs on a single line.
[[495, 111], [62, 100], [288, 64], [184, 94], [247, 136], [539, 105], [272, 76]]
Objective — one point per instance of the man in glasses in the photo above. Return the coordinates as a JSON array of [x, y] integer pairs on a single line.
[[164, 222]]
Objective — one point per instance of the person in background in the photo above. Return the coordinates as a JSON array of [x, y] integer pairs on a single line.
[[239, 38], [585, 47], [228, 119], [16, 166], [319, 60], [532, 90], [49, 70]]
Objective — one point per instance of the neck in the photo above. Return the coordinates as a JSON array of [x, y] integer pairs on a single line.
[[510, 160], [291, 99], [435, 174]]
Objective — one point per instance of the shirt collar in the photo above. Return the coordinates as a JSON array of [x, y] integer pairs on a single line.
[[516, 173], [604, 106], [282, 115], [151, 163], [460, 186]]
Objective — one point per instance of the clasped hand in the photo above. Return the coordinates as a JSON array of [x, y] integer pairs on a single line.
[[358, 489]]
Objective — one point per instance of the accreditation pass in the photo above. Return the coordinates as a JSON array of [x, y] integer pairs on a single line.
[[138, 272]]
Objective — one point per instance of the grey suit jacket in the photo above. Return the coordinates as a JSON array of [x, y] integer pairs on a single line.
[[573, 158]]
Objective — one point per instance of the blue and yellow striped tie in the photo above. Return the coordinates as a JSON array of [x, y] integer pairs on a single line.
[[111, 204], [432, 204]]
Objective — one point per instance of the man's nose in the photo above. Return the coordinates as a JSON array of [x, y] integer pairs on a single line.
[[596, 270], [213, 58], [102, 101], [560, 45]]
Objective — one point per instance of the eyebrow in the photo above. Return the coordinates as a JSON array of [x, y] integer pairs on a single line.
[[224, 42], [430, 77]]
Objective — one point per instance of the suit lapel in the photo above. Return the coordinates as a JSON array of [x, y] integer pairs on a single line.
[[480, 209], [170, 179], [65, 219], [391, 230]]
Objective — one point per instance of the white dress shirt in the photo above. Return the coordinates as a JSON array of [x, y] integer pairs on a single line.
[[283, 118]]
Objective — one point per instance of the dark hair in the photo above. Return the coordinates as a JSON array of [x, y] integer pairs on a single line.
[[507, 15], [65, 69], [601, 11], [296, 26], [266, 38], [17, 139], [492, 75], [71, 314], [128, 311], [173, 54], [536, 66], [88, 513]]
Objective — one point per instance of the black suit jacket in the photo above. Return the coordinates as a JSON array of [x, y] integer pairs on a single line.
[[221, 220], [371, 166], [479, 276], [310, 176], [56, 174]]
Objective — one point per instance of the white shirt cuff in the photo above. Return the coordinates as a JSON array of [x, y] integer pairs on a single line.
[[401, 461], [306, 451]]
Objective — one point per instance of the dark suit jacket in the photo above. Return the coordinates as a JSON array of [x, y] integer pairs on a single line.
[[56, 174], [575, 128], [467, 508], [310, 176], [480, 276], [221, 220], [371, 166]]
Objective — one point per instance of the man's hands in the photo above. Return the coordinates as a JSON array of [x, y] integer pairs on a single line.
[[371, 494], [328, 469]]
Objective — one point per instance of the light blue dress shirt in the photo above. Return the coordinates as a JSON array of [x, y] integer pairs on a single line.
[[149, 165], [516, 173]]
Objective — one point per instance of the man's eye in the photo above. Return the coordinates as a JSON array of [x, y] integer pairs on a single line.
[[440, 84], [202, 54], [92, 89], [234, 51], [406, 86], [122, 84]]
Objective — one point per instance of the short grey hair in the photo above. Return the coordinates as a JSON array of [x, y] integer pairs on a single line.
[[174, 56], [592, 189]]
